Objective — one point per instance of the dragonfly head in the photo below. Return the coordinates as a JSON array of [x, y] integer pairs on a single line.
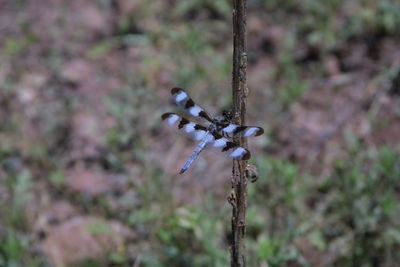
[[228, 114], [223, 120]]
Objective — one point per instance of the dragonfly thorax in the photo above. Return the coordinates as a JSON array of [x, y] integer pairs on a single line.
[[218, 123]]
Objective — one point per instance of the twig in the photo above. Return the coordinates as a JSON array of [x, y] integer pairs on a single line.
[[238, 197]]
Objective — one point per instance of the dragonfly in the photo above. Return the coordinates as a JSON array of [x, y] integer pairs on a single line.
[[216, 132]]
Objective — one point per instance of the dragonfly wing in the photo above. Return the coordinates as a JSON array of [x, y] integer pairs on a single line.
[[183, 100], [193, 130], [242, 131], [229, 149]]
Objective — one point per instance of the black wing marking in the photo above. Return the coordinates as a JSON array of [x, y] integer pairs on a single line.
[[182, 99], [242, 131]]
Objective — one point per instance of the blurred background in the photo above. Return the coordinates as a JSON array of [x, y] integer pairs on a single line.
[[88, 174]]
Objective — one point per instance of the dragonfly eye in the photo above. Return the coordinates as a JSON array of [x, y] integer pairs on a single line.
[[228, 114]]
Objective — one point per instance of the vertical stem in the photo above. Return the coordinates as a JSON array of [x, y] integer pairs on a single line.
[[238, 197]]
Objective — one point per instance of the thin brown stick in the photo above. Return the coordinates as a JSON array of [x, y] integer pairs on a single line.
[[238, 197]]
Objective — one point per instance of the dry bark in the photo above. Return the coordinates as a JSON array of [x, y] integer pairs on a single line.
[[238, 197]]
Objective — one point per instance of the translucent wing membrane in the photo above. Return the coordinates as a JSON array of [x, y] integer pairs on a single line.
[[182, 99], [214, 140], [243, 131]]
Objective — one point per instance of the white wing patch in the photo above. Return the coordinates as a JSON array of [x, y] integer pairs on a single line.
[[180, 96], [220, 142], [198, 135], [172, 119], [230, 128], [238, 153], [251, 131], [189, 128], [195, 110]]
